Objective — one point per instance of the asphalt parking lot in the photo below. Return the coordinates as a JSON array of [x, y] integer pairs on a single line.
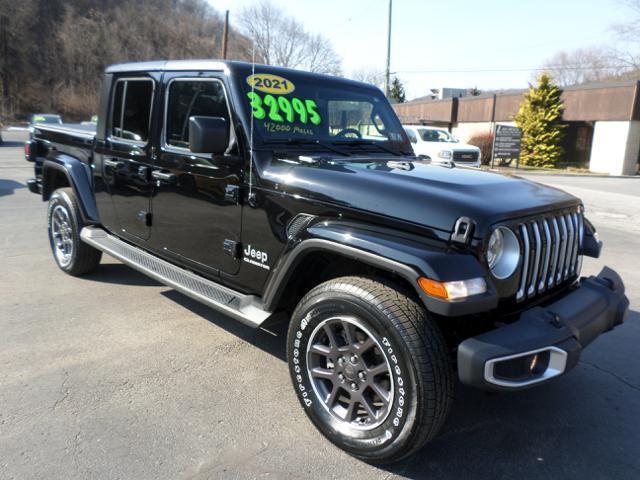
[[115, 376]]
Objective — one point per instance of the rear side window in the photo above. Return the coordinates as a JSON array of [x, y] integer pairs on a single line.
[[188, 98], [131, 111]]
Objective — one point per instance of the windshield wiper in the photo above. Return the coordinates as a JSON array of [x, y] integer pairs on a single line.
[[358, 142], [304, 141]]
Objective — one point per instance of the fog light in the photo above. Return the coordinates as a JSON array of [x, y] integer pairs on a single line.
[[523, 368], [526, 368], [534, 362]]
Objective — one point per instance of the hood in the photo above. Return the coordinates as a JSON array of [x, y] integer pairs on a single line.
[[416, 192], [456, 146], [464, 147]]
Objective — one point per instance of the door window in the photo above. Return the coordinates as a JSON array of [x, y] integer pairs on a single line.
[[131, 112], [188, 98]]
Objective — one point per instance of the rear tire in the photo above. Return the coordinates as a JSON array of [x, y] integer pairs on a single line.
[[64, 223], [354, 340]]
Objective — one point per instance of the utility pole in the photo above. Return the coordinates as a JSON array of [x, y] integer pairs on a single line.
[[386, 73], [494, 130], [225, 35]]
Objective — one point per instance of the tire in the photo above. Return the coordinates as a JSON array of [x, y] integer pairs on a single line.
[[390, 330], [64, 224]]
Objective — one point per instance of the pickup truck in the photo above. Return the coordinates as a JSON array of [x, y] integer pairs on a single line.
[[270, 193], [442, 147]]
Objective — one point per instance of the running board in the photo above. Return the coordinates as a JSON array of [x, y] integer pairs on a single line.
[[246, 308]]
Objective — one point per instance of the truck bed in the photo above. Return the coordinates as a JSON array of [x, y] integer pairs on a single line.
[[75, 140], [67, 129]]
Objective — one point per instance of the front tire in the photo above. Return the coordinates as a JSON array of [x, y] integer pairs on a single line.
[[64, 224], [370, 368]]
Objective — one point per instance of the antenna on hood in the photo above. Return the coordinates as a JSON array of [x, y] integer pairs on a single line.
[[253, 72]]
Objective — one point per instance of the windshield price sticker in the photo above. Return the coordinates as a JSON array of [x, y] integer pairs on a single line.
[[281, 109], [265, 82]]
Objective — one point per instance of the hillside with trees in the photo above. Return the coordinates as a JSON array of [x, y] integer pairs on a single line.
[[52, 52]]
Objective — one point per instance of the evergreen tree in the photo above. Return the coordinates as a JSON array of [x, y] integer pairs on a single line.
[[474, 92], [396, 91], [539, 118]]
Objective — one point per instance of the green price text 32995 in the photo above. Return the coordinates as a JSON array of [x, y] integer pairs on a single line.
[[281, 109]]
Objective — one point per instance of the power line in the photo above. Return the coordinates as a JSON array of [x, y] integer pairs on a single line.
[[518, 69]]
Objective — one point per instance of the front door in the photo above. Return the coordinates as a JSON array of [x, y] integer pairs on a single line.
[[127, 155], [196, 207]]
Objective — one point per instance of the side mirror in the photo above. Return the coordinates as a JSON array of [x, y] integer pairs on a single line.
[[208, 135]]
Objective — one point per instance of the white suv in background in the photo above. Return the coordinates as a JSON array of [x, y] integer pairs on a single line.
[[442, 147]]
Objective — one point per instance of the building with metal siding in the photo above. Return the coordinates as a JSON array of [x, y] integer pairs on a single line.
[[603, 121]]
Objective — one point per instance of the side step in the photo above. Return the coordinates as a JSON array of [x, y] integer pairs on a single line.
[[246, 308]]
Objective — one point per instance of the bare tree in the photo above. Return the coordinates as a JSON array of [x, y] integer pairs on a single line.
[[596, 64], [627, 53], [629, 30], [369, 74], [583, 65], [281, 40]]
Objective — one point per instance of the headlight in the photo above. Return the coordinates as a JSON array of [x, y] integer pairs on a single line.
[[445, 154], [503, 253]]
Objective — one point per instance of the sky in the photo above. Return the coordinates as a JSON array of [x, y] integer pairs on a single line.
[[493, 44]]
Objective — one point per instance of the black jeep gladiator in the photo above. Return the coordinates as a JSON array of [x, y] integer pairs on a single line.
[[261, 191]]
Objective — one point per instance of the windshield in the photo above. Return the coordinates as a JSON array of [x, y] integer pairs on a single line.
[[303, 109], [433, 135]]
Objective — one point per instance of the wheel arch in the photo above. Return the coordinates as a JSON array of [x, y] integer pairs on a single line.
[[328, 260], [62, 170], [332, 249]]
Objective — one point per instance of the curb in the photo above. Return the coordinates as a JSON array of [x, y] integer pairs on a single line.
[[564, 174], [583, 175]]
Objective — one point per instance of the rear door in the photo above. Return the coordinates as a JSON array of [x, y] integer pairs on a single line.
[[196, 209], [127, 156]]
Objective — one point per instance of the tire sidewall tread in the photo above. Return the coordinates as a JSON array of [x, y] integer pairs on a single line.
[[419, 347], [85, 258]]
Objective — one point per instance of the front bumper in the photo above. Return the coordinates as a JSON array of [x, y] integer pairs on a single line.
[[546, 341]]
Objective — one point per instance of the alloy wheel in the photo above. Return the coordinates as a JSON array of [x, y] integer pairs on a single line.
[[62, 235], [350, 373]]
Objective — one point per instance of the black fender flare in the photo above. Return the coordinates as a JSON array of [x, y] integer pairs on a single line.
[[78, 175], [382, 249]]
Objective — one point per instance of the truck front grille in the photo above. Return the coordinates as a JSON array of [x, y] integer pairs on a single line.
[[550, 246], [464, 157]]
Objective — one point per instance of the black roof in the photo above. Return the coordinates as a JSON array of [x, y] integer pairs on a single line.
[[217, 65]]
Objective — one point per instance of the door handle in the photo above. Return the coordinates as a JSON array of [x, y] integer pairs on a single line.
[[112, 163], [163, 177], [143, 172]]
